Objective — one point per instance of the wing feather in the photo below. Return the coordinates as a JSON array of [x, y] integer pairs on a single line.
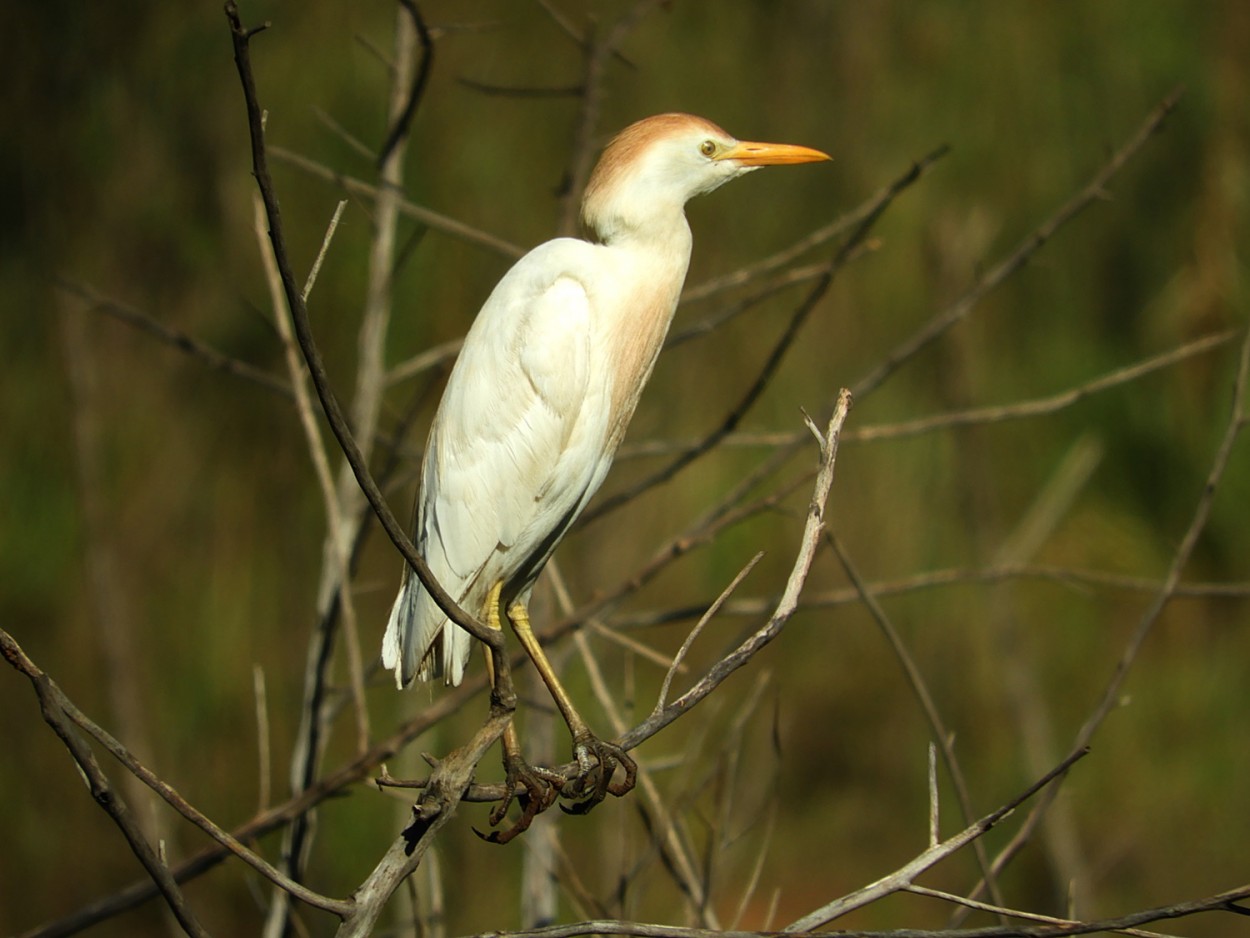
[[510, 454]]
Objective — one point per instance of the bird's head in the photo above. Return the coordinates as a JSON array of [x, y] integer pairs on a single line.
[[651, 169]]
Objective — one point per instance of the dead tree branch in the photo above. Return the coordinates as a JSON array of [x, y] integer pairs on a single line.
[[1095, 189], [57, 709], [1236, 423]]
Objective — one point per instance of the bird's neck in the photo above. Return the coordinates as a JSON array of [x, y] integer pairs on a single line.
[[652, 266], [662, 230]]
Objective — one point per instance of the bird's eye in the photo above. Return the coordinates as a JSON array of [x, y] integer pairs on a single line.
[[707, 147]]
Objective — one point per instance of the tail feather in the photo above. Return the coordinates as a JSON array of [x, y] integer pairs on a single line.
[[416, 633], [399, 645]]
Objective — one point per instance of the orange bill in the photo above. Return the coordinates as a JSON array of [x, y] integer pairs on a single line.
[[749, 153]]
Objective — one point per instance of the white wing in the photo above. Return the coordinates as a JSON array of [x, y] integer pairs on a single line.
[[516, 443]]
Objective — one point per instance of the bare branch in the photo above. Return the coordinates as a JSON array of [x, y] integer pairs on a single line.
[[279, 815], [321, 256], [1221, 902], [728, 591], [660, 818], [583, 151], [998, 413], [399, 128], [904, 875], [1169, 589], [570, 29], [933, 579], [436, 220], [935, 814], [1017, 913], [937, 726], [310, 741], [435, 808], [878, 205], [192, 346], [786, 606], [56, 709], [1041, 406], [813, 240], [424, 361], [316, 367], [1096, 188], [516, 91]]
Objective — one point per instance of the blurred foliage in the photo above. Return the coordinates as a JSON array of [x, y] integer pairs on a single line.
[[127, 169]]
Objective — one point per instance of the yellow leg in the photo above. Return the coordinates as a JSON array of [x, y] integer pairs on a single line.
[[597, 760], [511, 744], [539, 787], [519, 616]]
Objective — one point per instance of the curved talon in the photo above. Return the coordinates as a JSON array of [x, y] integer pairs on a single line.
[[597, 762], [540, 789]]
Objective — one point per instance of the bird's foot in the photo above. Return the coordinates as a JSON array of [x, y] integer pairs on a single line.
[[539, 788], [597, 762]]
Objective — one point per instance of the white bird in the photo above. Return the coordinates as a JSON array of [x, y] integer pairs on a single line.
[[538, 401]]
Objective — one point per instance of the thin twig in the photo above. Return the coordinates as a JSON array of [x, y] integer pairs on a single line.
[[263, 785], [937, 726], [180, 340], [935, 579], [321, 253], [520, 91], [118, 642], [1015, 913], [728, 591], [906, 874], [436, 220], [776, 284], [328, 786], [56, 709], [597, 53], [403, 120], [578, 36], [424, 361], [316, 367], [1095, 189], [784, 257], [1168, 590], [1016, 669], [352, 141], [657, 814], [786, 606], [1042, 406], [728, 511], [800, 315], [935, 814], [747, 895], [1222, 902], [436, 807], [311, 737], [343, 500], [977, 416]]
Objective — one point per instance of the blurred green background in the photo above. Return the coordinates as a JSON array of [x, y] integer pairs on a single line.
[[126, 168]]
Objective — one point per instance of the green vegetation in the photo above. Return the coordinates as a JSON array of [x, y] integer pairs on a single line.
[[127, 170]]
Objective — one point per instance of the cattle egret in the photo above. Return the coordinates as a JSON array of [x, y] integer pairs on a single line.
[[536, 405]]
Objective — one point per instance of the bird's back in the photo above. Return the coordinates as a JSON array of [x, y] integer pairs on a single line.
[[516, 449]]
